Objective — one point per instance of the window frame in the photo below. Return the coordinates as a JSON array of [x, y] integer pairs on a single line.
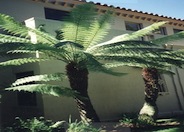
[[137, 26], [177, 30], [161, 31], [55, 14], [162, 87]]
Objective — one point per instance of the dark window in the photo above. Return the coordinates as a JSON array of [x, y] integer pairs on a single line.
[[131, 26], [162, 85], [177, 30], [141, 38], [26, 98], [150, 37], [161, 30], [55, 14]]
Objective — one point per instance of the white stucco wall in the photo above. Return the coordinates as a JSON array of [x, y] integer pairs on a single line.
[[21, 9]]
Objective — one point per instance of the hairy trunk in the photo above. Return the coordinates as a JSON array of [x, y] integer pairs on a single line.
[[150, 77], [78, 78]]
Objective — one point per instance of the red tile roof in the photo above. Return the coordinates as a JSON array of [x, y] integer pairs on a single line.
[[132, 10], [124, 12]]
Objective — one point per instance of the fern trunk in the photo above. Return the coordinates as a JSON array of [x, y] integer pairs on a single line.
[[150, 109], [78, 78]]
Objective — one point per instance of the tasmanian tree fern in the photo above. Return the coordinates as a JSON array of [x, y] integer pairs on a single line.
[[79, 47]]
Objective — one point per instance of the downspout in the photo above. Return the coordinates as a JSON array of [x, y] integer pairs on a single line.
[[182, 89], [176, 91], [180, 83], [0, 113]]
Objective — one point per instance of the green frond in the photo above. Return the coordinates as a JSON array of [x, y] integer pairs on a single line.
[[66, 42], [95, 66], [144, 31], [160, 59], [21, 61], [131, 60], [15, 28], [98, 30], [138, 65], [12, 39], [78, 23], [82, 14], [74, 33], [39, 78], [169, 38], [54, 90], [127, 37], [43, 37], [121, 46], [133, 51], [47, 50]]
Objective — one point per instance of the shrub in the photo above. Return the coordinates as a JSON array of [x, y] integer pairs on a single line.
[[145, 120], [81, 127], [35, 125], [129, 119]]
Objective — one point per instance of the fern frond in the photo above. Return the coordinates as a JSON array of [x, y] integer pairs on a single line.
[[139, 65], [15, 28], [95, 66], [97, 30], [66, 42], [169, 38], [54, 90], [82, 14], [131, 60], [39, 78], [144, 31], [47, 50], [78, 23], [120, 46], [43, 37], [127, 37], [21, 61], [12, 39]]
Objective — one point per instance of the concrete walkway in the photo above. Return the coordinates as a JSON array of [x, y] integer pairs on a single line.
[[111, 127]]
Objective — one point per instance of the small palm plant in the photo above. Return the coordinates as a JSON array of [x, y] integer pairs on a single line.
[[76, 45]]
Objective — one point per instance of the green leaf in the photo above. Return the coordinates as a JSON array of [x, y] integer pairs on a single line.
[[169, 38], [65, 42], [17, 62], [12, 39], [78, 23], [133, 36], [125, 45], [38, 78], [15, 28], [54, 90], [93, 65], [98, 30]]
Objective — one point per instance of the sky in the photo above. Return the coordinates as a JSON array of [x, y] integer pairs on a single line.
[[170, 8]]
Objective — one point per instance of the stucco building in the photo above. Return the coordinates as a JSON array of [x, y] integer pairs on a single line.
[[111, 96]]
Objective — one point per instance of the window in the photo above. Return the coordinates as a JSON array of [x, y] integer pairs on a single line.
[[141, 38], [162, 85], [161, 30], [26, 98], [150, 37], [131, 26], [55, 14], [177, 30]]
